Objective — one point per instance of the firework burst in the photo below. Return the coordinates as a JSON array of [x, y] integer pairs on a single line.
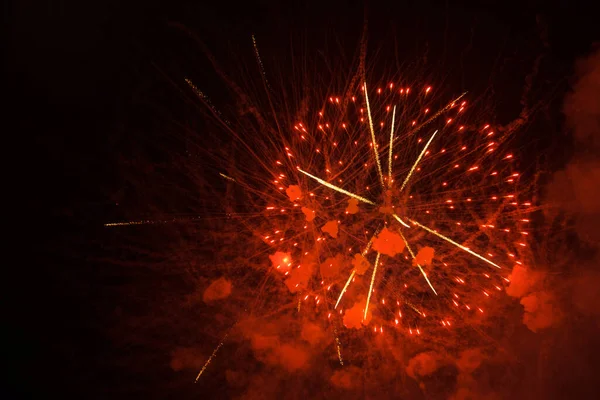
[[387, 209], [388, 206]]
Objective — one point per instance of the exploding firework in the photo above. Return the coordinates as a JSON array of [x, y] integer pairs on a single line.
[[387, 207]]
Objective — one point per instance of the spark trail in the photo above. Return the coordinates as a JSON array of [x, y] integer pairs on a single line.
[[460, 246]]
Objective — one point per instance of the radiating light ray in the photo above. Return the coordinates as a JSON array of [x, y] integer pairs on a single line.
[[373, 137], [206, 100], [145, 222], [210, 358], [437, 114], [415, 309], [418, 265], [400, 220], [427, 279], [391, 148], [260, 63], [268, 88], [417, 162], [345, 287], [370, 242], [460, 246], [371, 286], [339, 346], [150, 221], [227, 177], [338, 189]]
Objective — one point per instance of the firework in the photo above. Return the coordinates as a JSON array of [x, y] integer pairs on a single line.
[[385, 207], [409, 247]]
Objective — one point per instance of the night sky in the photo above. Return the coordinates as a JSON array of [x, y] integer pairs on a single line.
[[91, 83]]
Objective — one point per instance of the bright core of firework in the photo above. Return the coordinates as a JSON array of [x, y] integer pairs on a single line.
[[383, 187]]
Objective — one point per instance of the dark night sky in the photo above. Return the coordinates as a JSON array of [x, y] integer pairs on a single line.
[[77, 72]]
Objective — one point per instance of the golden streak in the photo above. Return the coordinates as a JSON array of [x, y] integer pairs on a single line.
[[418, 265], [210, 358], [198, 92], [373, 137], [413, 307], [146, 222], [460, 246], [433, 117], [418, 159], [371, 286], [206, 101], [391, 147], [227, 177], [151, 222], [260, 63], [368, 246], [339, 346], [402, 222], [345, 287], [338, 189]]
